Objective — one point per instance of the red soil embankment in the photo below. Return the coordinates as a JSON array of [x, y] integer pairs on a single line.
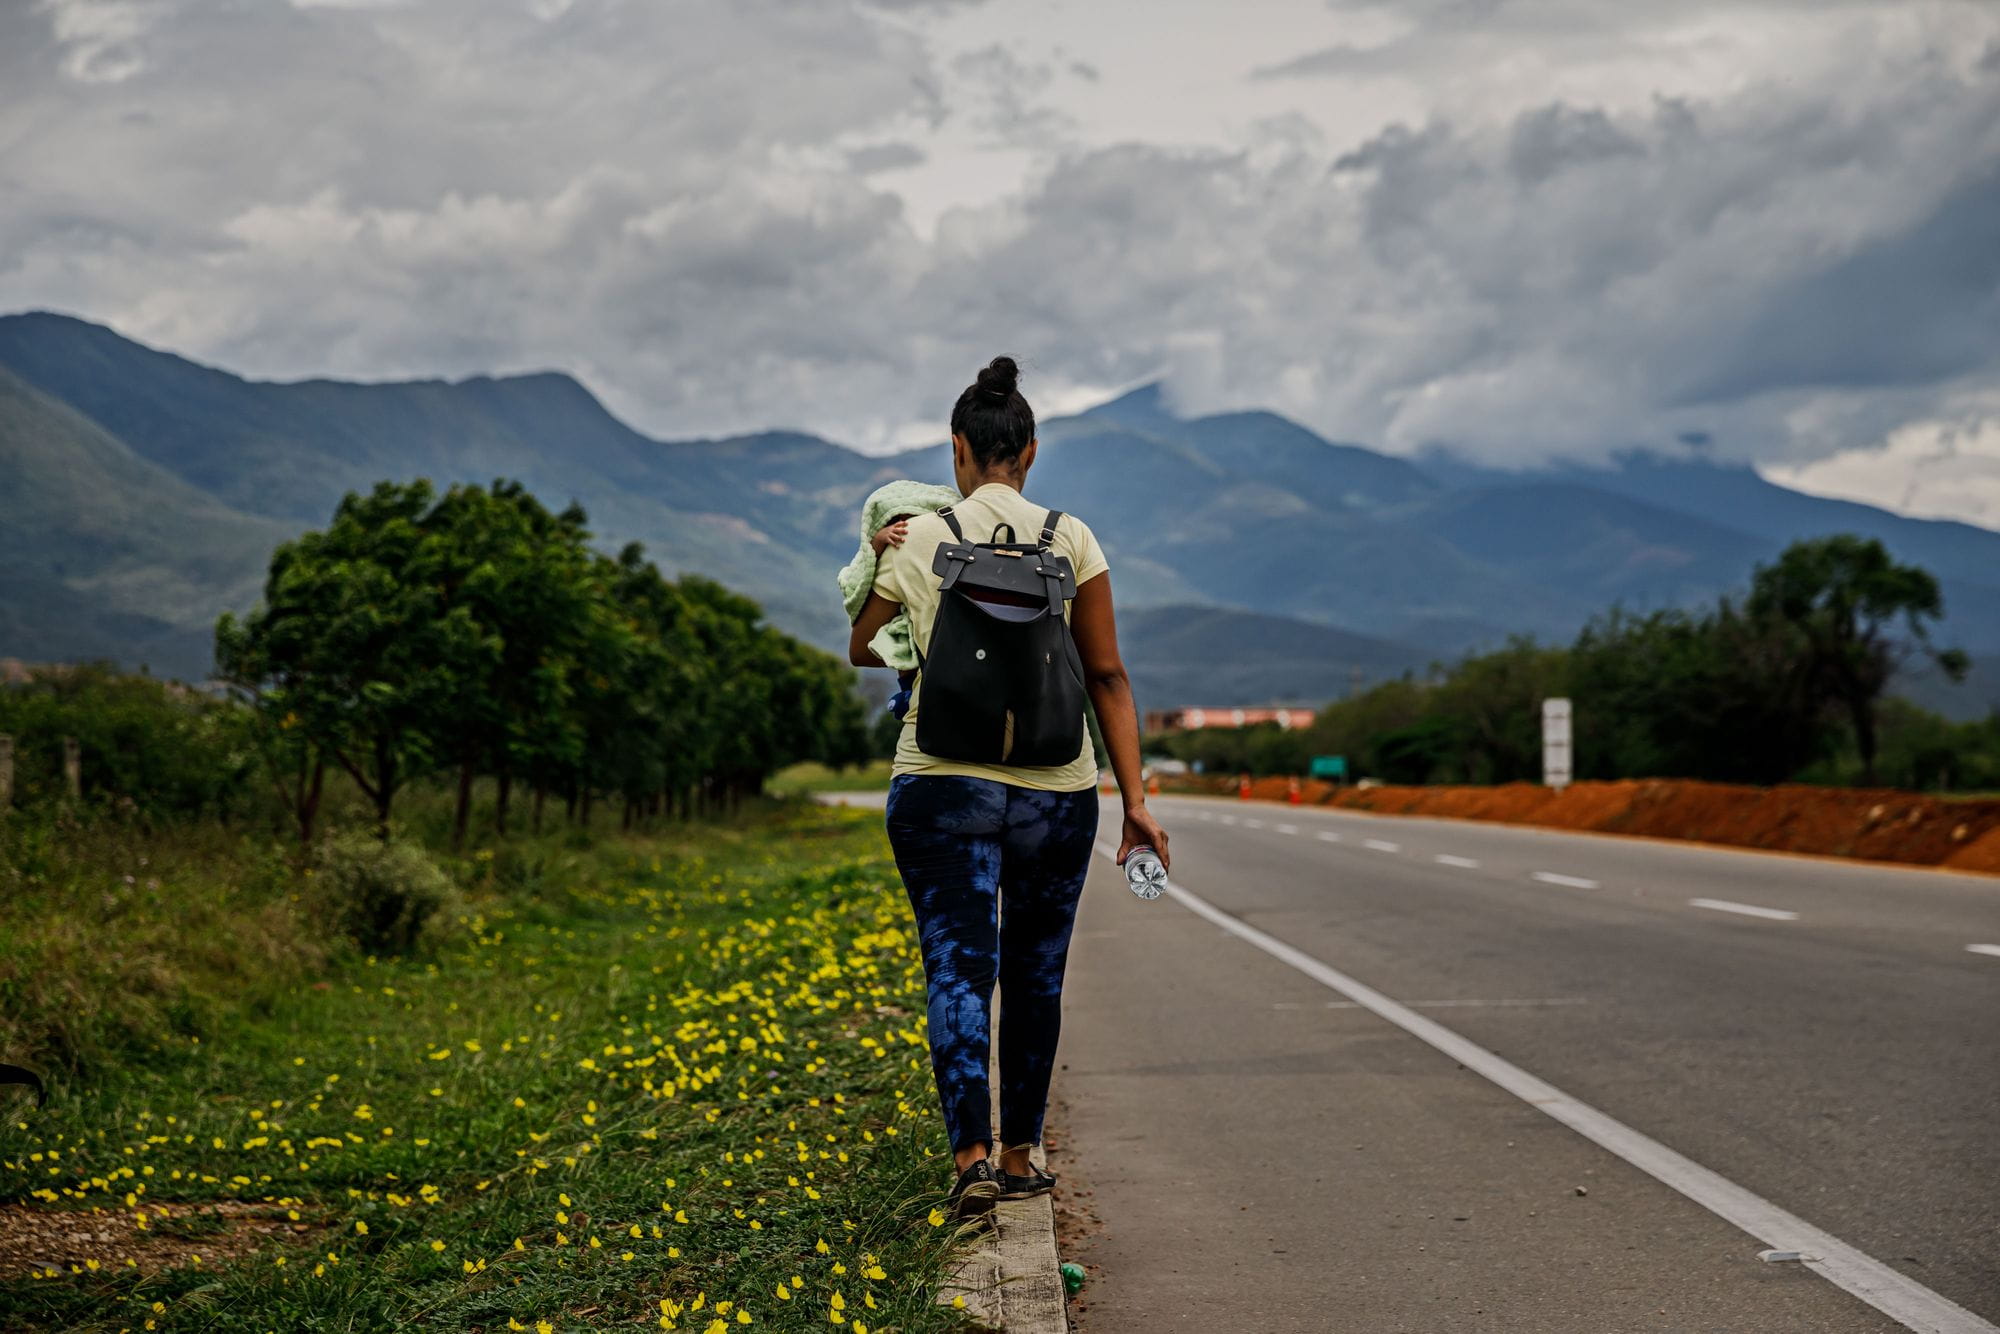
[[1873, 824]]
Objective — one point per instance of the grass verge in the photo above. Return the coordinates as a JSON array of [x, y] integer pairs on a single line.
[[673, 1083], [808, 778]]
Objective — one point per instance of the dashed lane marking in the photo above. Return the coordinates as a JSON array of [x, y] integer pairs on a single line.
[[1463, 863], [1288, 829], [1573, 881], [1983, 949], [1327, 836], [1381, 845], [1746, 909]]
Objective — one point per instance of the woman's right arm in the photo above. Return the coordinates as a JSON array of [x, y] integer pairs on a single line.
[[1095, 628], [876, 612]]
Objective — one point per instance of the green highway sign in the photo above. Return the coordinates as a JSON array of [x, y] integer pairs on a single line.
[[1329, 766]]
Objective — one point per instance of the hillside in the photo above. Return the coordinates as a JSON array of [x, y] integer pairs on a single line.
[[103, 553], [1331, 553], [1213, 655]]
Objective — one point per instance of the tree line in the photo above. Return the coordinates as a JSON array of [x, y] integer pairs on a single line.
[[1785, 682], [476, 634]]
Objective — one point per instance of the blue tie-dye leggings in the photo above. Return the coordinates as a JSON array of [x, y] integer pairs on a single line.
[[970, 849]]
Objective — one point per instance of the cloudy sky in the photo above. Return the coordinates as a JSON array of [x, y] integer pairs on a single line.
[[1516, 228]]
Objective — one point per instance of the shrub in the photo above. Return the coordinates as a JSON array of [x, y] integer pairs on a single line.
[[388, 898], [151, 746]]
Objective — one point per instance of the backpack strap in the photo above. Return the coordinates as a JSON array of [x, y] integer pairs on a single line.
[[1051, 576], [960, 554]]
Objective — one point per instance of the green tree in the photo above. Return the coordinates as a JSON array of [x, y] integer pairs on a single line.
[[1921, 750], [648, 739], [1713, 694], [477, 632], [1846, 597], [1494, 702], [354, 644], [1357, 727], [516, 582], [293, 757]]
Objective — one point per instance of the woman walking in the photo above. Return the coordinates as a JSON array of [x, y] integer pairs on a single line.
[[993, 855]]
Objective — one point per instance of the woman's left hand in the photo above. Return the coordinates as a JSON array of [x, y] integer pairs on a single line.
[[1142, 830]]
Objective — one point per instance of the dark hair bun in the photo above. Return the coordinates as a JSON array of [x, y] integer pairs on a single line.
[[999, 378]]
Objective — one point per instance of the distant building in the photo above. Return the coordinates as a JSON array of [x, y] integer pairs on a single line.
[[13, 672], [1188, 720]]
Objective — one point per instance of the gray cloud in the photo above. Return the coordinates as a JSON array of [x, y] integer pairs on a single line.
[[885, 157], [1568, 279], [695, 208]]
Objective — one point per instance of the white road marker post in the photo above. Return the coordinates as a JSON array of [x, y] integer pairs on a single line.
[[1556, 750]]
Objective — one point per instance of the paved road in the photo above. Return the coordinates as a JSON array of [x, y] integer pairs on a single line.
[[1268, 1155]]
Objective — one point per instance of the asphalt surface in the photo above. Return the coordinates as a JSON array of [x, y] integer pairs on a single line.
[[1266, 1155]]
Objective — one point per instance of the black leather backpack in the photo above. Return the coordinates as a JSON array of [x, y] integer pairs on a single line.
[[1002, 683]]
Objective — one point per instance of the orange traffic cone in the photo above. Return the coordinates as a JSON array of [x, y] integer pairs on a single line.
[[1292, 790], [1243, 787], [1153, 785]]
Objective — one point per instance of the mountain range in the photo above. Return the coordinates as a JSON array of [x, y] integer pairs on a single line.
[[1253, 560]]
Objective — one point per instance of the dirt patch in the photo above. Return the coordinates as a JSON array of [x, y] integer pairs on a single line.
[[1076, 1216], [35, 1240], [1980, 854], [1873, 824]]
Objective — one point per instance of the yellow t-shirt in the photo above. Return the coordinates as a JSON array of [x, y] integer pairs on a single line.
[[904, 575]]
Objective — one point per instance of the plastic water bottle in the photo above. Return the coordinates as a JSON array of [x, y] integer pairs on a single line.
[[1144, 873]]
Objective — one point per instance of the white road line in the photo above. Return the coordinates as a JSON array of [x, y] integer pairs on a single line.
[[1327, 836], [1381, 845], [1747, 909], [1227, 819], [1983, 949], [1465, 863], [1288, 829], [1897, 1296], [1573, 881], [1511, 1003], [1253, 824]]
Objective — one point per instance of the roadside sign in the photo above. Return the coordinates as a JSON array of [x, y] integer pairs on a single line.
[[1555, 743], [1329, 766]]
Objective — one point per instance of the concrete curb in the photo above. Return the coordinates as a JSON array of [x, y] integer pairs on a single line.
[[1010, 1274]]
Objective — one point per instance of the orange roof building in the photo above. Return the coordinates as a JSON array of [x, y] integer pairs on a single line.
[[1287, 717]]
